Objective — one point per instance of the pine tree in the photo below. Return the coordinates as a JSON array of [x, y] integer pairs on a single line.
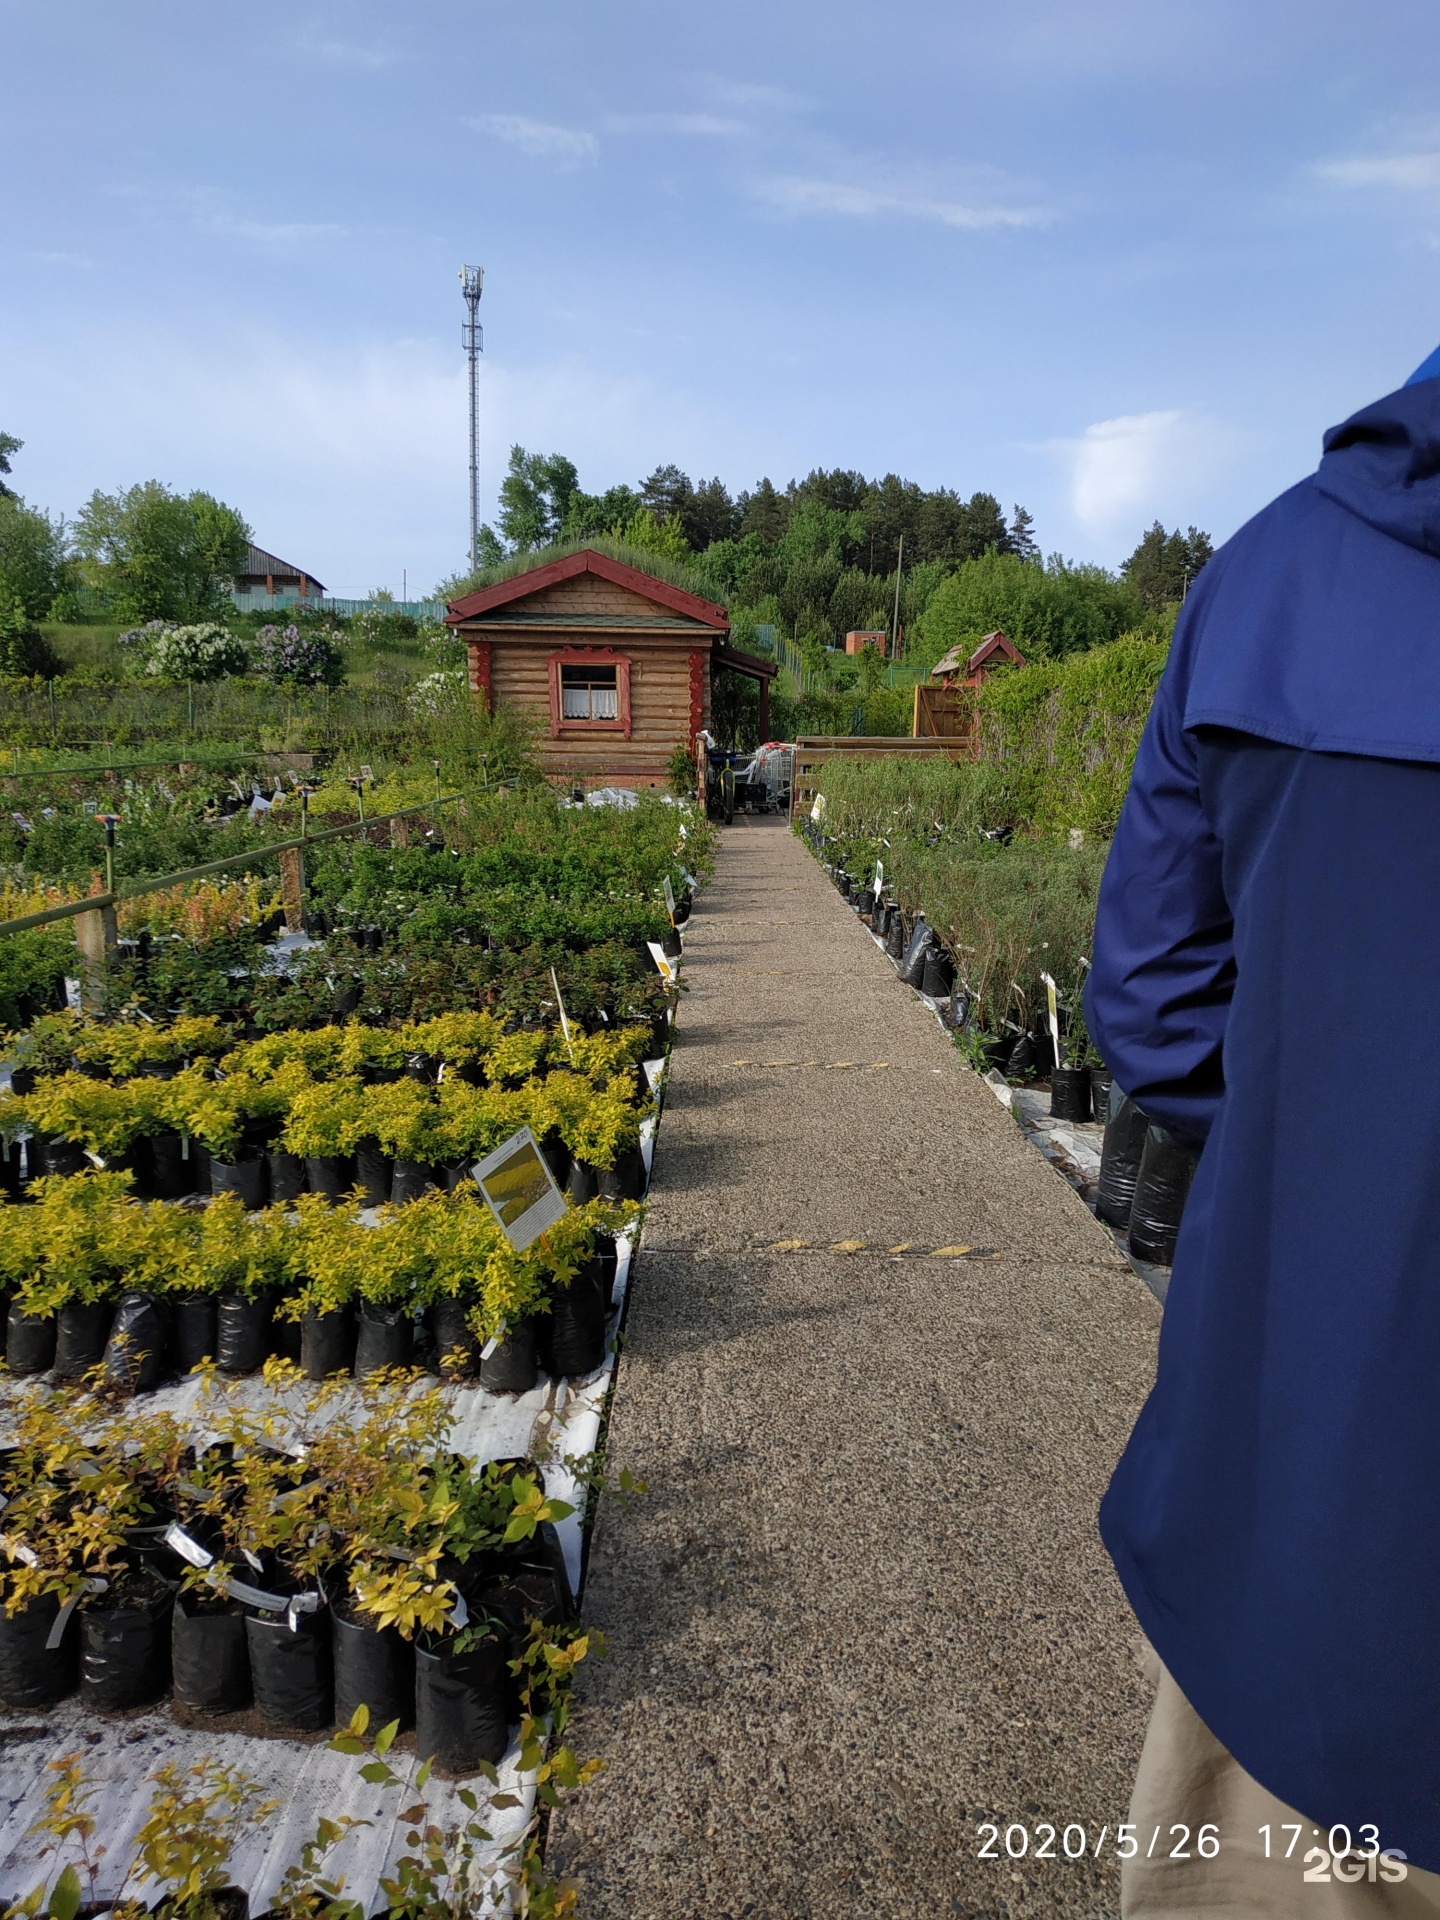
[[1022, 534]]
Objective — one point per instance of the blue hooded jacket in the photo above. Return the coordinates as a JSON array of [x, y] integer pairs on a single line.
[[1267, 980]]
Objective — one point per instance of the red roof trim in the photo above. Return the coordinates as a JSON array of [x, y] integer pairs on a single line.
[[522, 585], [993, 643]]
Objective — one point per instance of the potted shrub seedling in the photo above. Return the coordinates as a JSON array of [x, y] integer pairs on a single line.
[[195, 1816]]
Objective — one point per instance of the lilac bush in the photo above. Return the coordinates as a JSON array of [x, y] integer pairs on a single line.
[[166, 651], [291, 658]]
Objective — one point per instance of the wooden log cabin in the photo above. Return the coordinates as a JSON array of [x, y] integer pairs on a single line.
[[616, 663]]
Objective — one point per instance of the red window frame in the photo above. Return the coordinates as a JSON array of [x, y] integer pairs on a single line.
[[590, 657]]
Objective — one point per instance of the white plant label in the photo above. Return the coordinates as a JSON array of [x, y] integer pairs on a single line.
[[879, 878], [564, 1017], [670, 899], [669, 969], [1054, 1007], [520, 1189], [654, 1072]]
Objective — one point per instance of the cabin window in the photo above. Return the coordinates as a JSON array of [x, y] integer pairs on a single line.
[[589, 693]]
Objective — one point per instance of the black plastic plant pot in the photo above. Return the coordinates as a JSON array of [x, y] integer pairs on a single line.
[[462, 1717], [1021, 1063], [1044, 1047], [581, 1183], [346, 1001], [917, 951], [1167, 1166], [373, 1075], [330, 1174], [1100, 1085], [997, 1052], [374, 1170], [135, 1352], [456, 1174], [194, 1330], [608, 1256], [242, 1333], [125, 1645], [209, 1654], [671, 945], [23, 1079], [1125, 1131], [556, 1155], [842, 881], [48, 1156], [1070, 1093], [170, 1174], [413, 1180], [81, 1331], [939, 974], [290, 1669], [625, 1180], [512, 1367], [244, 1176], [457, 1351], [374, 1668], [224, 1903], [29, 1340], [895, 938], [10, 1169], [572, 1334], [864, 902], [33, 1675], [285, 1174], [385, 1338], [327, 1343]]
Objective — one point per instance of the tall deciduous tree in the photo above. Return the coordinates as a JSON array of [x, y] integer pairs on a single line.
[[164, 555], [32, 557], [8, 445], [535, 498]]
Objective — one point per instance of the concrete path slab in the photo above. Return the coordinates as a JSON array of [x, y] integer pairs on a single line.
[[863, 1608]]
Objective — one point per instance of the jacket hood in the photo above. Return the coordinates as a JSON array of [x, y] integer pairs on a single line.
[[1383, 464], [1318, 623]]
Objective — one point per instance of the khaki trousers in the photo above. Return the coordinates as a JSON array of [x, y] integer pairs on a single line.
[[1187, 1779]]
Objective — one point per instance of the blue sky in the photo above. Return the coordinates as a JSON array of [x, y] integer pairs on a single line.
[[1116, 259]]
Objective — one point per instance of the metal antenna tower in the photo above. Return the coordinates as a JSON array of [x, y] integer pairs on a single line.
[[472, 338]]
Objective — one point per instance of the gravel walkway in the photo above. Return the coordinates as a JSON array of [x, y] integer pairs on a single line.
[[863, 1607]]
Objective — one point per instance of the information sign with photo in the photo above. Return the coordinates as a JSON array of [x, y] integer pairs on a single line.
[[519, 1189]]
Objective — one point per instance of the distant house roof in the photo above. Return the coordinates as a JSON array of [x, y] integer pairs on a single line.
[[983, 655], [521, 585], [260, 565]]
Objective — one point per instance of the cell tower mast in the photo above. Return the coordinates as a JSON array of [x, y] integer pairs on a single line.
[[472, 338]]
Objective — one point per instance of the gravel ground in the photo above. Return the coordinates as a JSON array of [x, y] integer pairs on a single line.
[[863, 1607]]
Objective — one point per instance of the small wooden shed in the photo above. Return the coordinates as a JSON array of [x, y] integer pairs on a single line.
[[616, 662], [955, 669]]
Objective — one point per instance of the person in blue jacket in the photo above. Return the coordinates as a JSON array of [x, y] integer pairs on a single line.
[[1267, 981]]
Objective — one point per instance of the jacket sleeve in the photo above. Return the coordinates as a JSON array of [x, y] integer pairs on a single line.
[[1158, 994]]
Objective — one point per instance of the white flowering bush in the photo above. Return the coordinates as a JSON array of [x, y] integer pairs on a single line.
[[438, 692], [164, 651]]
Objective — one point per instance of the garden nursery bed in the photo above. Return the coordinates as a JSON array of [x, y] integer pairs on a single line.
[[989, 921], [302, 1429]]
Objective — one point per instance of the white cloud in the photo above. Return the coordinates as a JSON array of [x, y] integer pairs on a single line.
[[703, 125], [277, 234], [344, 53], [848, 200], [539, 138], [756, 96], [1416, 172], [1144, 466]]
